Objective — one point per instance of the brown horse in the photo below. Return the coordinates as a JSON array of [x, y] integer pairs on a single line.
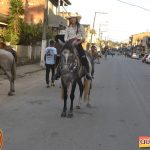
[[8, 67]]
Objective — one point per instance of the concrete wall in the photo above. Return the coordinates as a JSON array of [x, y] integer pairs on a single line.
[[27, 54]]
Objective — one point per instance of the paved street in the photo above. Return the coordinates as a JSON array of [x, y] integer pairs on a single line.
[[120, 111]]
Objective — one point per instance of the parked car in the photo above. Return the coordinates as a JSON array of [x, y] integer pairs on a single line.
[[135, 56], [144, 58], [148, 59]]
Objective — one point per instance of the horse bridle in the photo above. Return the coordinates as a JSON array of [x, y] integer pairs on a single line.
[[70, 67]]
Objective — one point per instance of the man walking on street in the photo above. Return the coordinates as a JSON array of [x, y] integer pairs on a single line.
[[50, 60]]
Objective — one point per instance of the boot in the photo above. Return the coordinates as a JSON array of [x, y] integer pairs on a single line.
[[86, 66]]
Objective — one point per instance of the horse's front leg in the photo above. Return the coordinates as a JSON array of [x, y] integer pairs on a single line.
[[64, 113], [81, 93], [70, 113]]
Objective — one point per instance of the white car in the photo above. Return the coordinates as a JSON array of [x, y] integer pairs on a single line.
[[135, 56], [148, 59]]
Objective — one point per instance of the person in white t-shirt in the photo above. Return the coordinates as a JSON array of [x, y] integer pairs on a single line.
[[50, 60]]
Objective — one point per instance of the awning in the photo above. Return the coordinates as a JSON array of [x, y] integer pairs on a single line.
[[56, 21], [55, 2]]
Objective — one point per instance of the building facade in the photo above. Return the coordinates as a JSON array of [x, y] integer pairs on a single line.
[[136, 39], [34, 9]]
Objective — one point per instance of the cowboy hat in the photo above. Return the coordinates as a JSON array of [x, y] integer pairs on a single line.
[[73, 15]]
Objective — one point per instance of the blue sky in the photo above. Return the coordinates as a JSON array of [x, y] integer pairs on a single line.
[[121, 21]]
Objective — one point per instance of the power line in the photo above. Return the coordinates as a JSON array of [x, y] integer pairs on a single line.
[[134, 5]]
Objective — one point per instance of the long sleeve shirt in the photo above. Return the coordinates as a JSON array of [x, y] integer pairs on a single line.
[[71, 33]]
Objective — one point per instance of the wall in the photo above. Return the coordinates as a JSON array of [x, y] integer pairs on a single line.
[[27, 54]]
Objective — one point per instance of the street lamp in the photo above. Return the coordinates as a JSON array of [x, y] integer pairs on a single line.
[[94, 22]]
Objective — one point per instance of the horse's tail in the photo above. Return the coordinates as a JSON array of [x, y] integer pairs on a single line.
[[87, 86], [13, 70]]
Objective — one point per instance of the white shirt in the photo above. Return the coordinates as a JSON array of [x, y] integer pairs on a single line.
[[71, 33], [50, 53]]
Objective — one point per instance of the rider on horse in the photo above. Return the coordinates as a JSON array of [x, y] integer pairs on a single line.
[[75, 31]]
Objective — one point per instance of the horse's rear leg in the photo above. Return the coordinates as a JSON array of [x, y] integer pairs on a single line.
[[13, 86], [81, 93], [12, 89], [10, 93]]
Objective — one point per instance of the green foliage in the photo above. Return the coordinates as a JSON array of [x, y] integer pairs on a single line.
[[16, 7], [5, 33], [14, 39], [50, 34], [15, 21], [30, 34], [19, 32]]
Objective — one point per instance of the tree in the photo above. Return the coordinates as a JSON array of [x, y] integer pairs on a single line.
[[30, 34], [15, 20]]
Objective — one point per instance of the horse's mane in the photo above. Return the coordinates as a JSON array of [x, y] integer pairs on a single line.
[[68, 45]]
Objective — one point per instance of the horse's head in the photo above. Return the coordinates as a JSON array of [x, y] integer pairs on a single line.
[[69, 62]]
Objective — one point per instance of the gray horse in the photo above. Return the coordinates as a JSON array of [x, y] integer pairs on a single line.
[[8, 67], [72, 73]]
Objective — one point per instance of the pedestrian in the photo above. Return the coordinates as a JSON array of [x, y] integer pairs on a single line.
[[75, 31], [106, 51], [50, 60]]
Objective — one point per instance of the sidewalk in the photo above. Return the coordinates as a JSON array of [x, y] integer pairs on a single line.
[[30, 68]]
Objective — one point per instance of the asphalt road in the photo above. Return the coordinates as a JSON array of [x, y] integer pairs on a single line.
[[120, 111]]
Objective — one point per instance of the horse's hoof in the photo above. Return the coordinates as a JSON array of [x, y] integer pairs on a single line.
[[13, 90], [10, 94], [78, 107], [48, 86], [89, 105], [52, 84], [70, 115], [63, 114]]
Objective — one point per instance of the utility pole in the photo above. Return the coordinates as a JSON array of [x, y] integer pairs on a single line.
[[45, 23], [94, 23]]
